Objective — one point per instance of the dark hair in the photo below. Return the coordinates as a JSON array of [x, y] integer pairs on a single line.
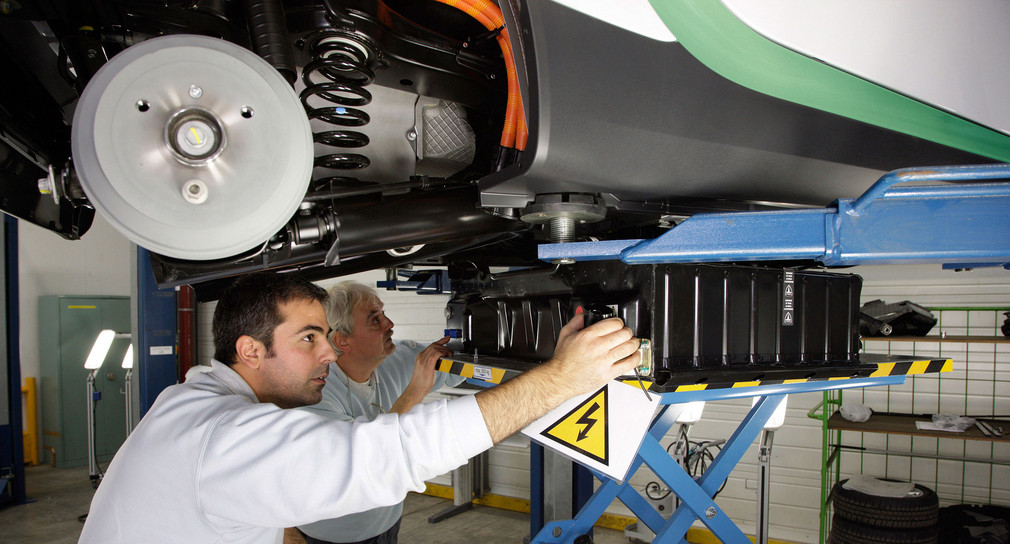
[[251, 306]]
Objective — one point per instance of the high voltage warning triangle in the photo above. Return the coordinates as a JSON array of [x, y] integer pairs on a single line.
[[584, 429]]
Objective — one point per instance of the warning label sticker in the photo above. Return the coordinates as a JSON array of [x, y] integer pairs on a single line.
[[788, 296], [601, 430], [584, 429]]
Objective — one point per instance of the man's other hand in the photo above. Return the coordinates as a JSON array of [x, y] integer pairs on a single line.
[[423, 378]]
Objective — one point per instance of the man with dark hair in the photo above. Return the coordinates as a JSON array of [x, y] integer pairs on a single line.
[[252, 307], [220, 458]]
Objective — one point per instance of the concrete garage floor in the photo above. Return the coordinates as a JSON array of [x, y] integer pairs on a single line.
[[61, 495]]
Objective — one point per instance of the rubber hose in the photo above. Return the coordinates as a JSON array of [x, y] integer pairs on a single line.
[[268, 29]]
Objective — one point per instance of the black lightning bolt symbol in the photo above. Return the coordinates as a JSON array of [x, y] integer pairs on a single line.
[[584, 420]]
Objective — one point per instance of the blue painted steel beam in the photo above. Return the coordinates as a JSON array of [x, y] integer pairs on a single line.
[[425, 282], [778, 389], [566, 531], [156, 315], [960, 220], [536, 488], [13, 444]]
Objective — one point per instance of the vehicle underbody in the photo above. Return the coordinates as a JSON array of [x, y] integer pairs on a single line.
[[407, 103], [328, 137]]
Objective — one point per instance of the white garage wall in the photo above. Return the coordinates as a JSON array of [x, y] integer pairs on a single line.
[[796, 458]]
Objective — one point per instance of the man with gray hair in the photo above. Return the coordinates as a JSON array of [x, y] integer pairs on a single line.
[[373, 375]]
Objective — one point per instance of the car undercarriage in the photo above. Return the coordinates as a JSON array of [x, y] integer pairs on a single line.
[[330, 137]]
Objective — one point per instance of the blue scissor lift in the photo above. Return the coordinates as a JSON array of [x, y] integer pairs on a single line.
[[958, 216]]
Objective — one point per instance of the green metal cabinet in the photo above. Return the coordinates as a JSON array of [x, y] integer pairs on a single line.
[[68, 326]]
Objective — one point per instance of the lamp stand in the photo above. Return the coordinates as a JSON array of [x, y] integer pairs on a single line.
[[93, 397], [128, 391]]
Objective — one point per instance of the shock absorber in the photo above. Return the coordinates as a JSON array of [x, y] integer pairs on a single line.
[[337, 74]]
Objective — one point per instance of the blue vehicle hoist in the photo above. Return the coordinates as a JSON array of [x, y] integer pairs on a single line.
[[798, 327]]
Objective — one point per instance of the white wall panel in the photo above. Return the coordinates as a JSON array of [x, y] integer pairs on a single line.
[[204, 338]]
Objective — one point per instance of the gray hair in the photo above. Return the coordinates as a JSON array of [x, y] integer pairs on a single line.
[[344, 297]]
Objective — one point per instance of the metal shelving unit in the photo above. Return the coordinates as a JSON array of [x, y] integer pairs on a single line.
[[964, 467]]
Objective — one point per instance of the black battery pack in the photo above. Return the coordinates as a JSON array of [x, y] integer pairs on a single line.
[[708, 323]]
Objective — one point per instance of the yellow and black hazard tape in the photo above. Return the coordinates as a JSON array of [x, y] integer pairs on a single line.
[[496, 375], [908, 368], [884, 369], [485, 373]]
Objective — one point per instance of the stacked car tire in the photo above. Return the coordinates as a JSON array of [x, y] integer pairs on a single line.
[[861, 518]]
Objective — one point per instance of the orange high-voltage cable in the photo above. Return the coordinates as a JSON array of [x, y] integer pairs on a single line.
[[514, 133]]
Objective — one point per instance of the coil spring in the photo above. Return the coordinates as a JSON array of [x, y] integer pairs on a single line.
[[343, 61]]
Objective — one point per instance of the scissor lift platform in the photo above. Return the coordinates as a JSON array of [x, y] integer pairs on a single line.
[[696, 496]]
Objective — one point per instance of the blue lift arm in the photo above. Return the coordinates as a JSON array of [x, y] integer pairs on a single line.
[[953, 215], [425, 282]]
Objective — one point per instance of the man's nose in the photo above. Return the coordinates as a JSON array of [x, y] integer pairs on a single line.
[[387, 322], [328, 354]]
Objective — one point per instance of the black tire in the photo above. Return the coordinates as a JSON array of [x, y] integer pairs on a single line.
[[844, 531], [916, 510]]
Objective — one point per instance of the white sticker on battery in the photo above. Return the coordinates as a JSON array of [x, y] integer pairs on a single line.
[[481, 372]]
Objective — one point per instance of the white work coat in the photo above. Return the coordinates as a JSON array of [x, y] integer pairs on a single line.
[[389, 381], [209, 463]]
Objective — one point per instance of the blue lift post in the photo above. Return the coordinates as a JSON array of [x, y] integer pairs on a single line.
[[156, 334], [12, 482]]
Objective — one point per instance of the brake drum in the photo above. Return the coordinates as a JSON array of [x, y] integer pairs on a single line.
[[192, 147]]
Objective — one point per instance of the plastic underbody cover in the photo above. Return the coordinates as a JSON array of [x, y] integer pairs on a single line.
[[706, 323], [615, 112]]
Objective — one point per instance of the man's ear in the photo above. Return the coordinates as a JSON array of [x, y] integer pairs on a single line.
[[341, 342], [248, 351]]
